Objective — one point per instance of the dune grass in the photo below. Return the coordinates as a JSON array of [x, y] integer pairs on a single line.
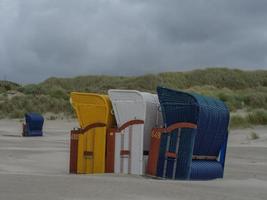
[[255, 117], [254, 136], [240, 90]]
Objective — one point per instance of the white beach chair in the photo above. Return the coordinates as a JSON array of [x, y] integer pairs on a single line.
[[136, 114]]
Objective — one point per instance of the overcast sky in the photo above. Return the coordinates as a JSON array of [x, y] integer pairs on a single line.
[[43, 38]]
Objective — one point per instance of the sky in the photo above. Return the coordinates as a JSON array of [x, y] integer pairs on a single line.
[[66, 38]]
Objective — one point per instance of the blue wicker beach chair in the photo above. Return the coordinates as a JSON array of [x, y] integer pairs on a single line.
[[192, 153], [34, 125]]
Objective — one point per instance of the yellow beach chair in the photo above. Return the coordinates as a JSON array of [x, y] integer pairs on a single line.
[[88, 144]]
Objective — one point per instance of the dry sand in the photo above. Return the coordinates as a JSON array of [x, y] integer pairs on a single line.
[[37, 168]]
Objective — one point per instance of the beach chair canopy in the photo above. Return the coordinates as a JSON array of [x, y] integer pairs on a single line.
[[34, 124], [212, 119], [92, 108], [134, 106]]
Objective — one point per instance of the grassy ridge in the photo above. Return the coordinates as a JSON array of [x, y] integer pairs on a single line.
[[245, 90], [7, 85], [217, 77]]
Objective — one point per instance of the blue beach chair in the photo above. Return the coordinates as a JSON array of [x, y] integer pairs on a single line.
[[34, 125], [187, 153]]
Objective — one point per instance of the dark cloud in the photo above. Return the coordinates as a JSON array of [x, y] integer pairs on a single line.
[[44, 38]]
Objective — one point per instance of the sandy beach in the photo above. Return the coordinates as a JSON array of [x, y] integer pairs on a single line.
[[37, 168]]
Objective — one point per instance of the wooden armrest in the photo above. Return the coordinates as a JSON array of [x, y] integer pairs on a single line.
[[87, 128]]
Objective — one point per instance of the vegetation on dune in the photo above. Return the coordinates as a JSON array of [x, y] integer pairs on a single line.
[[8, 85], [255, 117], [240, 90], [254, 136]]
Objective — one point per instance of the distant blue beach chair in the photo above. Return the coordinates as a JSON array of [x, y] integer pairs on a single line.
[[34, 125], [186, 153]]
